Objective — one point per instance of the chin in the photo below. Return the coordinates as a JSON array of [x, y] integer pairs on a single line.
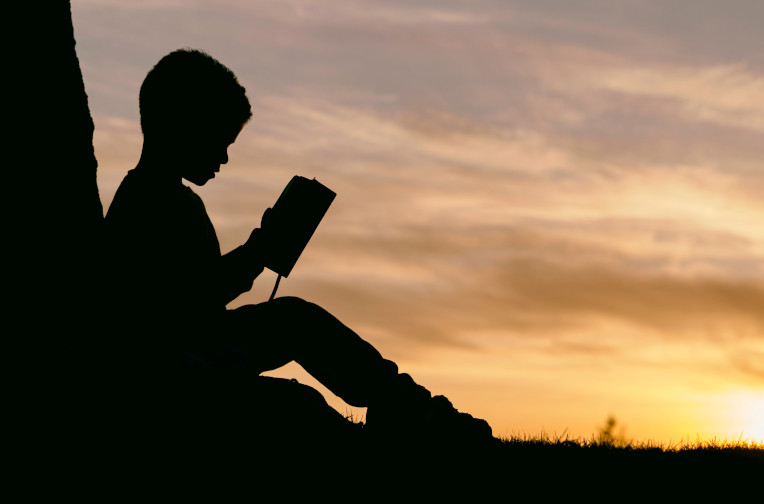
[[199, 181]]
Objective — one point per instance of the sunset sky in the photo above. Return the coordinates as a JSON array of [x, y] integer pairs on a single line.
[[550, 211]]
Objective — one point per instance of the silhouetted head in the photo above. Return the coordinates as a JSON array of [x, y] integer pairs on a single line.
[[192, 109]]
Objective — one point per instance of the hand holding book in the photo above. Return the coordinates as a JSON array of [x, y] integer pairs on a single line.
[[288, 226]]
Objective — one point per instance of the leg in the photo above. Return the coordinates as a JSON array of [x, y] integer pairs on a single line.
[[290, 329]]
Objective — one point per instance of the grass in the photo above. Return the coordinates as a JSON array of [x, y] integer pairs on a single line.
[[609, 461], [599, 466], [525, 468], [609, 442], [545, 468]]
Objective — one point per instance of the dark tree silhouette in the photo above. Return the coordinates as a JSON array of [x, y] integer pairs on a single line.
[[53, 217], [56, 210]]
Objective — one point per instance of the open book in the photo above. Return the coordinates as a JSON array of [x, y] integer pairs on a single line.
[[293, 219]]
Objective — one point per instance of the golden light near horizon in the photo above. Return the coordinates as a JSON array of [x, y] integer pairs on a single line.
[[743, 415], [544, 220]]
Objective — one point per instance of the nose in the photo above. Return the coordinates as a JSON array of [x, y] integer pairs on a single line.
[[224, 158]]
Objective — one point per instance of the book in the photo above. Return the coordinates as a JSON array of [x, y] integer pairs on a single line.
[[292, 221]]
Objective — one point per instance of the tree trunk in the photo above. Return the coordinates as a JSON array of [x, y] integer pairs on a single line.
[[56, 211]]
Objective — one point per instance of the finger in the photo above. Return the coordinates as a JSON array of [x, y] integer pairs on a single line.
[[266, 217]]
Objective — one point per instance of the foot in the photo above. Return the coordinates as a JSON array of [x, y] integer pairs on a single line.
[[409, 413]]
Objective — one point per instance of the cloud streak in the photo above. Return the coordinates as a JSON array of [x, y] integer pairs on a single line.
[[536, 185]]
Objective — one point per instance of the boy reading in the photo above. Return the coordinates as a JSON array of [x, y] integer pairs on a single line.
[[170, 284]]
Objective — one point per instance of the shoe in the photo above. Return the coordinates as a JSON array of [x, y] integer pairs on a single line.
[[410, 414]]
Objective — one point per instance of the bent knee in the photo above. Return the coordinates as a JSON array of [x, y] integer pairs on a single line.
[[295, 303], [285, 312], [295, 307]]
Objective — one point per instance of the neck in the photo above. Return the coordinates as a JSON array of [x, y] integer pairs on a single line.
[[158, 163]]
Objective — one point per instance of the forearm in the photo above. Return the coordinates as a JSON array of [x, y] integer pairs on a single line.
[[236, 271]]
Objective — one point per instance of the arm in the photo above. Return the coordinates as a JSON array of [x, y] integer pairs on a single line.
[[233, 273], [239, 268]]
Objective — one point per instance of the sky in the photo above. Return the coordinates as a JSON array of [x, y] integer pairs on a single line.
[[549, 211]]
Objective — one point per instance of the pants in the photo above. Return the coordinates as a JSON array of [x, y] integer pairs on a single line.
[[269, 335]]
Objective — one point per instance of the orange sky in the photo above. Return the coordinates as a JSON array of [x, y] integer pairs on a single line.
[[548, 211]]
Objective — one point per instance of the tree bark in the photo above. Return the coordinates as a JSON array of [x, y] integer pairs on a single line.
[[55, 210]]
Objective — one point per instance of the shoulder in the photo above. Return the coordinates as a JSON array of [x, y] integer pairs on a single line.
[[139, 206], [140, 194]]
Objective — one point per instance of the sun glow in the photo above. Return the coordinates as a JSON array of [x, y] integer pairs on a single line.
[[748, 411], [741, 415]]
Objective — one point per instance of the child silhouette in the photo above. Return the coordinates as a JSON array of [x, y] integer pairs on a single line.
[[169, 284]]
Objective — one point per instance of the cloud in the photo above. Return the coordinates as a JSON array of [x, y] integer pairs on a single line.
[[729, 95], [748, 360], [129, 5], [536, 200], [468, 214]]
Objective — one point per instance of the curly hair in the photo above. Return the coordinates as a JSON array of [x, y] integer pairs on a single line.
[[188, 86]]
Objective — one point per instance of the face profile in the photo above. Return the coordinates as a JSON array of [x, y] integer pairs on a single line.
[[192, 109], [200, 155]]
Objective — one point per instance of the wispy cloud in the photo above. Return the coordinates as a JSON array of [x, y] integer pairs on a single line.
[[552, 186], [728, 95]]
